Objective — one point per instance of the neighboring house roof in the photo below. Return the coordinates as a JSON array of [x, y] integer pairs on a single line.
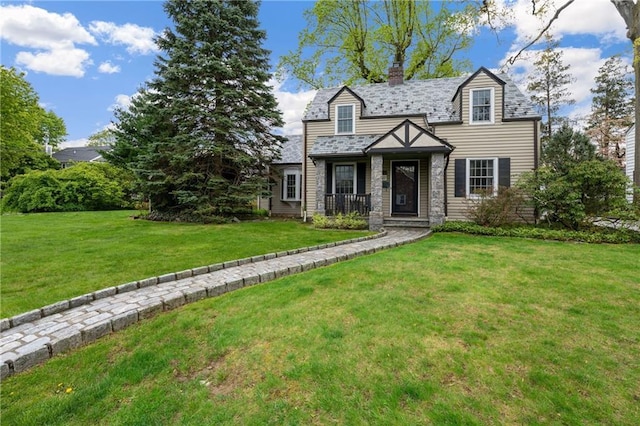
[[291, 152], [431, 98], [82, 153]]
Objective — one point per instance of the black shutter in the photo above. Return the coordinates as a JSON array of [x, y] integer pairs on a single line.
[[361, 178], [504, 172], [283, 183], [460, 184], [329, 183]]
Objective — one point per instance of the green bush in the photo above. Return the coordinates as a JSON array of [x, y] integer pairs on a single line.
[[593, 235], [85, 186], [588, 189], [504, 208], [349, 221]]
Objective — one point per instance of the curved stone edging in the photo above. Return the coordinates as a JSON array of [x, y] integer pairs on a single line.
[[29, 344], [55, 308]]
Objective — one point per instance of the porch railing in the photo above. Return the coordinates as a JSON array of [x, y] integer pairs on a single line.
[[347, 203]]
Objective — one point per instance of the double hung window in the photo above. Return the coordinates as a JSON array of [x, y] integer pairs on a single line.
[[345, 119], [481, 106], [482, 176], [291, 186]]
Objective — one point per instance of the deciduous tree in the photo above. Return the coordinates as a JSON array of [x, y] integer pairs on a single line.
[[355, 41], [25, 127]]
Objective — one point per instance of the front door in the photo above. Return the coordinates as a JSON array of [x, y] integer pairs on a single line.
[[404, 188]]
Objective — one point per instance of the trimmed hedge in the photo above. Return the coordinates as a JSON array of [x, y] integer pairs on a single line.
[[599, 235]]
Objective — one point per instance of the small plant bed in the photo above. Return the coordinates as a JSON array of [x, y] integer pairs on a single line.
[[340, 221], [593, 235]]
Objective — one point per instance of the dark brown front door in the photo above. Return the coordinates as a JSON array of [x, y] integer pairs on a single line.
[[404, 188]]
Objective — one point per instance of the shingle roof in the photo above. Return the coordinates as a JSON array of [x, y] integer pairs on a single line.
[[341, 145], [432, 98], [80, 153], [291, 150]]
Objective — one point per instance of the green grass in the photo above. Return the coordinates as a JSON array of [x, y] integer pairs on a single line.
[[451, 330], [51, 257]]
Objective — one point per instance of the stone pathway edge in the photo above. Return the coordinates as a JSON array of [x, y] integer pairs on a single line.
[[54, 308], [38, 350]]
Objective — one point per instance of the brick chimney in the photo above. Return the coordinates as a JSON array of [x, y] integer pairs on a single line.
[[396, 74]]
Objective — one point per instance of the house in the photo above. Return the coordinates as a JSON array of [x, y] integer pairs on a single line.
[[630, 140], [286, 189], [90, 154], [414, 153]]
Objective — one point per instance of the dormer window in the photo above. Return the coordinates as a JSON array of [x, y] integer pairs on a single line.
[[345, 122], [482, 106]]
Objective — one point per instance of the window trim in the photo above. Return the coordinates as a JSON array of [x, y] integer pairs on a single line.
[[492, 106], [468, 175], [285, 186], [355, 177], [353, 119]]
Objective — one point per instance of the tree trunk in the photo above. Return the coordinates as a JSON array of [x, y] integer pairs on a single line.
[[630, 12]]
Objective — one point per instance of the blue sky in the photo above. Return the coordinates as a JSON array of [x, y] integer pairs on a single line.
[[85, 57]]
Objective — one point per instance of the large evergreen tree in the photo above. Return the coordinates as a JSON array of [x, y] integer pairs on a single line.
[[548, 85], [611, 109], [200, 136]]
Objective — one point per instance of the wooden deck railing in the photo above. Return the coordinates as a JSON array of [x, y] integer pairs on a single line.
[[347, 203]]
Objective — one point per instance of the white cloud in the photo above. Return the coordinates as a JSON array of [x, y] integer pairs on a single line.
[[121, 102], [69, 62], [292, 106], [108, 68], [592, 17], [584, 65], [139, 40], [53, 35], [74, 143], [37, 28]]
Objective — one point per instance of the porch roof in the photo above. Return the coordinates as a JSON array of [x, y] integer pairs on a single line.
[[341, 145]]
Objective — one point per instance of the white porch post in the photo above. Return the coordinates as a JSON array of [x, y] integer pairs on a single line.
[[321, 182], [436, 207], [376, 219]]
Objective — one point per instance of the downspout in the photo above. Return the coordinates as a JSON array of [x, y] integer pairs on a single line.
[[304, 171]]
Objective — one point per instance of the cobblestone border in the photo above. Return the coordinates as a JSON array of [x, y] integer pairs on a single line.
[[36, 314]]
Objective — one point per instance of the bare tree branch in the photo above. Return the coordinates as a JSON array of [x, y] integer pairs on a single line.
[[515, 57]]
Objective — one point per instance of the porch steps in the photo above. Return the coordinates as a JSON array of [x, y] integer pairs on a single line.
[[405, 222]]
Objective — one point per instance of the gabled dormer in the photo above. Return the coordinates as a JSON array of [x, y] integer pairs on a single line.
[[344, 107], [479, 100]]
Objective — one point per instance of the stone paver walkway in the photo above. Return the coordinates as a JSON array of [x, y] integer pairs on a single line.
[[33, 337]]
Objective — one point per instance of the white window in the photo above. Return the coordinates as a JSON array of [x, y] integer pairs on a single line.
[[344, 179], [482, 106], [345, 119], [291, 186], [482, 176]]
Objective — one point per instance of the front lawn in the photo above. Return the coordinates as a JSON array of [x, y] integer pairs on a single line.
[[453, 329], [51, 257]]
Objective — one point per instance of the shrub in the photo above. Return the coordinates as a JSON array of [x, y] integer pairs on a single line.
[[85, 186], [593, 235], [349, 221], [588, 189], [504, 208]]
